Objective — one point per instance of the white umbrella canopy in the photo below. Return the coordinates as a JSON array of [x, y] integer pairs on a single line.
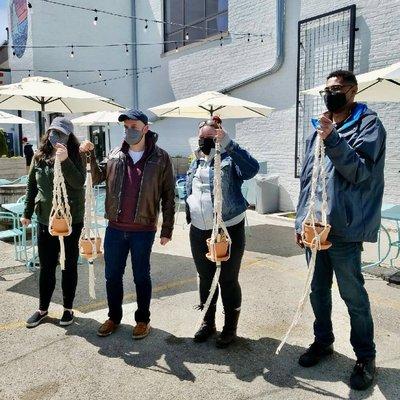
[[211, 103], [97, 118], [381, 85], [49, 95], [6, 118]]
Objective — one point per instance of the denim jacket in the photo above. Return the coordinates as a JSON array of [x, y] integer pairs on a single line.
[[237, 165], [355, 160]]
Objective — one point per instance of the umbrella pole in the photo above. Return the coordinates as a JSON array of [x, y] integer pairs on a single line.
[[40, 115], [109, 137]]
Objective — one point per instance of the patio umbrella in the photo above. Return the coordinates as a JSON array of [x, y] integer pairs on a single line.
[[381, 85], [211, 103], [6, 118], [99, 118]]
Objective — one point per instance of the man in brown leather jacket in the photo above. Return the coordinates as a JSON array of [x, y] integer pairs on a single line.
[[139, 176]]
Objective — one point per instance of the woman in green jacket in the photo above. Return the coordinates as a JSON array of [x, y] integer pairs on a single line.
[[59, 141]]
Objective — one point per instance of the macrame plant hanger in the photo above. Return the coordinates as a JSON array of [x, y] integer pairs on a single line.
[[90, 240], [219, 245], [314, 233], [60, 221]]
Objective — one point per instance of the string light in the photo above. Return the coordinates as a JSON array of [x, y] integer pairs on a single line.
[[176, 47], [187, 36], [147, 25], [29, 4], [147, 20], [99, 73], [126, 49], [29, 73], [67, 75], [72, 54], [108, 80], [221, 39], [96, 18], [143, 69], [248, 37], [126, 72]]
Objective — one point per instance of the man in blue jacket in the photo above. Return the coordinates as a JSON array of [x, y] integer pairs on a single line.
[[354, 139]]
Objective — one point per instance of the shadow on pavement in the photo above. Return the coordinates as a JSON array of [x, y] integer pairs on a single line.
[[272, 239], [248, 359], [170, 275]]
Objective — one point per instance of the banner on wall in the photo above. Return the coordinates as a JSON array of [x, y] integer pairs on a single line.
[[19, 25]]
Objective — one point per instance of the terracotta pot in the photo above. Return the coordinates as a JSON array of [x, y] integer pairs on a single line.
[[59, 226], [220, 248], [86, 246], [321, 229]]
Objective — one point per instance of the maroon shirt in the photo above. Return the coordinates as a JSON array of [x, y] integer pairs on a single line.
[[130, 193]]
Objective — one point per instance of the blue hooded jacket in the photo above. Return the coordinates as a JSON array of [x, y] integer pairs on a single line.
[[355, 160]]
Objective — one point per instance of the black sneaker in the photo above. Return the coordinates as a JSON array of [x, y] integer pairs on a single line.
[[314, 354], [363, 374], [67, 318], [36, 319]]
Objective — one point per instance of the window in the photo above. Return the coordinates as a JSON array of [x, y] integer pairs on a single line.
[[204, 18]]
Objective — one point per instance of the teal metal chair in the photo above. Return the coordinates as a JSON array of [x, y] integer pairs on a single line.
[[181, 194], [13, 232]]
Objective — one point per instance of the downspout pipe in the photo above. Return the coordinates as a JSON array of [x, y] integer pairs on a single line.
[[280, 50], [134, 60]]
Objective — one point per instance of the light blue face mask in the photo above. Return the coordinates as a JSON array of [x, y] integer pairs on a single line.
[[57, 137], [133, 136]]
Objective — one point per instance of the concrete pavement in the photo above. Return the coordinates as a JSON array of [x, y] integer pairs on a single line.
[[51, 362]]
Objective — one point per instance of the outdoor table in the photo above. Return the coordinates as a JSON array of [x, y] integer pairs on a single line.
[[15, 208], [390, 212], [11, 193]]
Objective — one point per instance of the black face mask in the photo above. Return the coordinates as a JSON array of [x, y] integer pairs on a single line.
[[335, 101], [206, 145]]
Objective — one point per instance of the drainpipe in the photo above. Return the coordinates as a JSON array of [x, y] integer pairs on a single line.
[[280, 50], [134, 60]]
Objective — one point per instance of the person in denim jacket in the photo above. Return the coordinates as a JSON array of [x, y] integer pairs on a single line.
[[237, 165]]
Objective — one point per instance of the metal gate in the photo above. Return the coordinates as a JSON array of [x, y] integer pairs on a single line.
[[325, 44]]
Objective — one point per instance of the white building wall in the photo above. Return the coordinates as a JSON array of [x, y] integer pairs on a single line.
[[209, 67], [56, 25]]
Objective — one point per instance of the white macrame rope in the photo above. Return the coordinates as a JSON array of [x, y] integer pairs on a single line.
[[218, 224], [60, 206], [90, 230], [319, 171]]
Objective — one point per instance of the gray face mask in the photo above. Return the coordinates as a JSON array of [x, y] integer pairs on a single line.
[[58, 137], [133, 136]]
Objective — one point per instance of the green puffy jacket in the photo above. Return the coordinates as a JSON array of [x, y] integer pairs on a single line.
[[39, 192]]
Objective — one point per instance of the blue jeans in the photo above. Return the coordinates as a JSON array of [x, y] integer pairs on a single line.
[[117, 245], [345, 260]]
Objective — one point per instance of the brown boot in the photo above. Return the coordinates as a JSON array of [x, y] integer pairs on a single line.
[[107, 328], [141, 330]]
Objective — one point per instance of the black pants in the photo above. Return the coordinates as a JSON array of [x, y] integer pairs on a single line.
[[231, 292], [49, 251]]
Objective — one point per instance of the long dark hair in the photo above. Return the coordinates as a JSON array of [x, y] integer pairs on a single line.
[[45, 151]]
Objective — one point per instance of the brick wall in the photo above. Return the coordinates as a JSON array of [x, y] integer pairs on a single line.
[[209, 67]]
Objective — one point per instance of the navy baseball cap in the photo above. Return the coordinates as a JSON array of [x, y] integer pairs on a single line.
[[135, 115]]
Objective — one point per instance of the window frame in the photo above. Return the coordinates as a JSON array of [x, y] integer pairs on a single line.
[[182, 30]]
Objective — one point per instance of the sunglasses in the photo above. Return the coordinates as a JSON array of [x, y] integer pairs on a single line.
[[334, 90]]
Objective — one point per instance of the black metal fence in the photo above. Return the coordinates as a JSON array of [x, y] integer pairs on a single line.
[[325, 44]]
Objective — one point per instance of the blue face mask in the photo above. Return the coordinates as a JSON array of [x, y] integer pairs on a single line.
[[57, 137], [133, 136]]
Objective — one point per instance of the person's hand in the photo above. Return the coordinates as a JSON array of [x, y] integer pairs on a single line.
[[326, 127], [219, 134], [62, 152], [299, 240], [86, 146], [25, 221], [164, 241]]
